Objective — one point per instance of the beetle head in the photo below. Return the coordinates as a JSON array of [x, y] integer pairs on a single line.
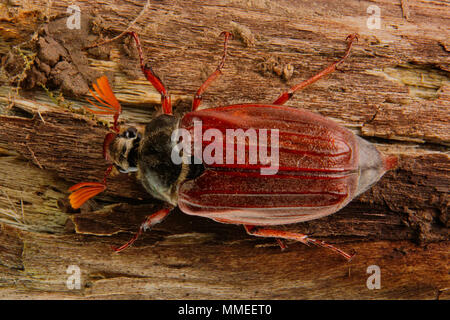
[[123, 150]]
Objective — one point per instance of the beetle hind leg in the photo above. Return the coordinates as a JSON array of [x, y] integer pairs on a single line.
[[303, 238]]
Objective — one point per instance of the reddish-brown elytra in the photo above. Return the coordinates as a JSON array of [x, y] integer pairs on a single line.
[[321, 166]]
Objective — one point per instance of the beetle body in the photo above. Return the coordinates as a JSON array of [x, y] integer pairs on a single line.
[[320, 166]]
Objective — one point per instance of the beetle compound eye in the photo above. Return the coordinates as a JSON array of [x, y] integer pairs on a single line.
[[130, 133]]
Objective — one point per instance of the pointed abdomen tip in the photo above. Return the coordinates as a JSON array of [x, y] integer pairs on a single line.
[[390, 162]]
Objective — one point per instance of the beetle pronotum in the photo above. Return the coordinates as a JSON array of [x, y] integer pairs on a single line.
[[321, 167]]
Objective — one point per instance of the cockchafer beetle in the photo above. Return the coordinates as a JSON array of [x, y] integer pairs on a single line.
[[321, 165]]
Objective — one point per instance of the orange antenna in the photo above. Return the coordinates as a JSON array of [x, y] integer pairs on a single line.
[[105, 96], [84, 191]]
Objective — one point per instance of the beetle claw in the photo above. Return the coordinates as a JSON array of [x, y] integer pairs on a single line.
[[352, 37], [281, 243]]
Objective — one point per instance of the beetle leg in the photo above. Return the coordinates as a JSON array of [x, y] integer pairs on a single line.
[[149, 222], [153, 78], [285, 96], [198, 96], [303, 238], [281, 243]]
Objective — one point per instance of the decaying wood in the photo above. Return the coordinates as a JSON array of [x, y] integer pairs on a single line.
[[394, 90]]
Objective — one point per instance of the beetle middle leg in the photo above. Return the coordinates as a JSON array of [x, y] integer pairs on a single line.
[[303, 238], [198, 96], [285, 96], [149, 222]]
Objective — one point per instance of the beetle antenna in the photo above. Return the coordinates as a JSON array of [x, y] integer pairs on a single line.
[[83, 191], [390, 162], [130, 242]]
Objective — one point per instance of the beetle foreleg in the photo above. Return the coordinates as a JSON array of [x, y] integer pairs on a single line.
[[153, 78], [198, 96], [279, 234], [285, 96], [149, 222]]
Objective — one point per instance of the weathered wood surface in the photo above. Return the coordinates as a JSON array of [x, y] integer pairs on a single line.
[[394, 90]]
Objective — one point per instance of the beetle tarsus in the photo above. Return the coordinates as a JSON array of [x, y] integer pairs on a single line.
[[152, 77], [390, 162], [198, 96], [280, 234], [282, 245], [149, 222], [285, 96], [323, 244], [315, 153]]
